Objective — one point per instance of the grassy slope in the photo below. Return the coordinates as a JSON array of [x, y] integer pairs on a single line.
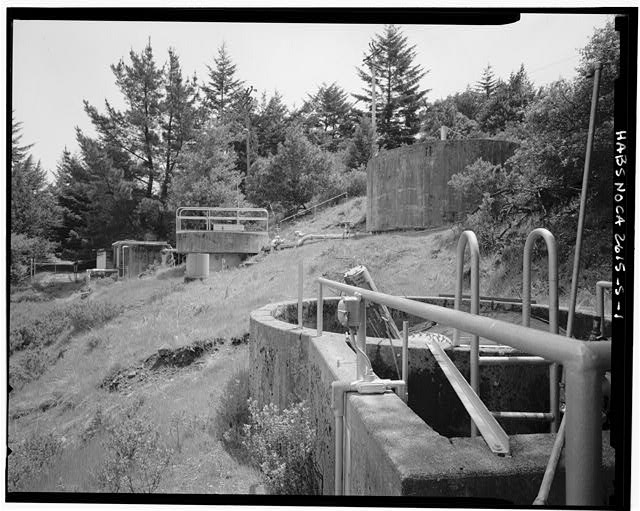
[[163, 312]]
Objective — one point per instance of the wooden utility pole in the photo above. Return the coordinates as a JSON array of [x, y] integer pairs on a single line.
[[370, 60]]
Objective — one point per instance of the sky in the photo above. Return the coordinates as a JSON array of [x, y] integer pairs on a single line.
[[58, 64]]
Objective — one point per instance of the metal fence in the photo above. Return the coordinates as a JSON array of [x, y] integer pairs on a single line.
[[203, 219]]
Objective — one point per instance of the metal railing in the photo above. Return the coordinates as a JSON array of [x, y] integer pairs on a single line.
[[584, 363], [313, 208], [203, 219]]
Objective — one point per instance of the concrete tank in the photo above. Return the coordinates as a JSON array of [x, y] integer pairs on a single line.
[[197, 266], [407, 187]]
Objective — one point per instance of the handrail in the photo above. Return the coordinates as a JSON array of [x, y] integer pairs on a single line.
[[314, 206], [235, 218], [552, 255], [469, 238], [584, 363]]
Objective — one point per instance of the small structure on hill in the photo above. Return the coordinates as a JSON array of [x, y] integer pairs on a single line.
[[407, 187], [131, 257], [219, 238]]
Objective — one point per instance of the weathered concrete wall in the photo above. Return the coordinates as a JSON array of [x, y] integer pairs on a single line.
[[392, 450], [220, 242], [407, 187]]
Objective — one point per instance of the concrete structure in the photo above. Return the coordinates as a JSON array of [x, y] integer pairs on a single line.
[[228, 235], [104, 259], [133, 257], [393, 451], [407, 187]]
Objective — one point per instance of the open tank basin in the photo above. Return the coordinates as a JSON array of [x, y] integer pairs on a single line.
[[423, 448], [431, 396]]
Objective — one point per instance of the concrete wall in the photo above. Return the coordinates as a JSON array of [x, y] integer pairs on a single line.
[[392, 450], [407, 187], [221, 242]]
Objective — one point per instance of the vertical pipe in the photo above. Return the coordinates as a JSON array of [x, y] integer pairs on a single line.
[[552, 256], [583, 458], [583, 200], [320, 307], [361, 339], [338, 456], [405, 360], [469, 238], [300, 287]]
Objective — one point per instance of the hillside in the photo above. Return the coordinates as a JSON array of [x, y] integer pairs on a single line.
[[93, 371]]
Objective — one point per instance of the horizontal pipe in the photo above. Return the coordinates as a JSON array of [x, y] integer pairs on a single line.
[[514, 361], [539, 416], [308, 237], [545, 344]]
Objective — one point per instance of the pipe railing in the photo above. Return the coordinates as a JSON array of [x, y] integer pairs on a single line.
[[313, 207], [584, 363], [552, 256], [206, 218], [468, 238]]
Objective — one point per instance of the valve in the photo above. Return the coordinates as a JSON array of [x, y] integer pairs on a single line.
[[348, 311]]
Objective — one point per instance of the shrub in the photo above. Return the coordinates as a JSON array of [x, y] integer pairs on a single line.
[[30, 459], [38, 332], [136, 458], [233, 411], [30, 366], [90, 314], [281, 444]]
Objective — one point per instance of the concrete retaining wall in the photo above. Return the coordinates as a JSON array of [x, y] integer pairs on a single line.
[[392, 450]]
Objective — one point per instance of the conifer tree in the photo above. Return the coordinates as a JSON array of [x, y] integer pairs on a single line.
[[270, 124], [398, 92], [360, 147], [327, 117], [223, 91], [487, 83]]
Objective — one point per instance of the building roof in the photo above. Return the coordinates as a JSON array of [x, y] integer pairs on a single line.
[[143, 243]]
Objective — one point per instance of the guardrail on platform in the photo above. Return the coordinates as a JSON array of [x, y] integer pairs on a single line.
[[584, 362], [203, 219]]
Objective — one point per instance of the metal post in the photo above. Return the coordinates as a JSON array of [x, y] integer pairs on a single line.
[[320, 306], [583, 441], [405, 360], [583, 199], [552, 255], [300, 287], [361, 339], [601, 285]]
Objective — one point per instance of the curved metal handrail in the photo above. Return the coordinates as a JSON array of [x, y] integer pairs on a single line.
[[469, 238], [552, 256]]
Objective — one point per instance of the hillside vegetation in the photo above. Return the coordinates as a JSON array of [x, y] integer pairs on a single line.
[[117, 356]]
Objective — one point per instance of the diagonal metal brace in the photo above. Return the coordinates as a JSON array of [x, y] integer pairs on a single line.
[[491, 431]]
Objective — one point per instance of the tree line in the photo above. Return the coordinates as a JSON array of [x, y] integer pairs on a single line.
[[183, 141]]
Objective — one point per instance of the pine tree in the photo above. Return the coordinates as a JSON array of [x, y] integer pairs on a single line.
[[360, 147], [223, 91], [179, 118], [270, 124], [398, 93], [327, 117], [487, 83]]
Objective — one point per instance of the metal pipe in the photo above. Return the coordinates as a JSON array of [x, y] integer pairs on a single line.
[[524, 415], [513, 361], [547, 480], [361, 341], [583, 199], [583, 458], [300, 287], [601, 285], [552, 256], [405, 360], [307, 237], [469, 238], [320, 311], [544, 344]]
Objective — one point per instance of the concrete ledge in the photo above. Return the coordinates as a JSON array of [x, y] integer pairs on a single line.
[[392, 451]]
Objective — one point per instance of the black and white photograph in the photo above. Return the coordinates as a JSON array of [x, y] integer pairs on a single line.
[[324, 256]]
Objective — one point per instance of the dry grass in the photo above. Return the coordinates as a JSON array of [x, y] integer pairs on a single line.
[[165, 312]]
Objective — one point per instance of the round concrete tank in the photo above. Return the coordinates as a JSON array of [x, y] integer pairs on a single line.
[[197, 266]]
